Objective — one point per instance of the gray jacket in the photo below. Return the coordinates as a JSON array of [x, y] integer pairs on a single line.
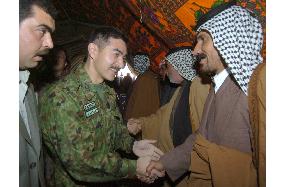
[[31, 168]]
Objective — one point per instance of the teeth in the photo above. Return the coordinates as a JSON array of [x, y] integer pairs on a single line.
[[114, 70]]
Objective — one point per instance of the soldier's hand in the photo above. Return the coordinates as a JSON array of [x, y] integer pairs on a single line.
[[146, 148], [134, 126], [146, 179], [141, 173], [142, 164], [155, 168]]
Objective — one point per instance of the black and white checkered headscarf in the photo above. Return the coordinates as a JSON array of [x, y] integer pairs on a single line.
[[182, 60], [238, 37], [141, 63]]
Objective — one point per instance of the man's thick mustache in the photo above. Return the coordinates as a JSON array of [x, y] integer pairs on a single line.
[[45, 52], [116, 68], [199, 57]]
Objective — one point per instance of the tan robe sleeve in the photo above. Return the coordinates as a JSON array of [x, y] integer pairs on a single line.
[[197, 97], [216, 165], [151, 124], [257, 108]]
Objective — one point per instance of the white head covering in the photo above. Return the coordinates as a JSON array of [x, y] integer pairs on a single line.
[[182, 60], [238, 37], [141, 62]]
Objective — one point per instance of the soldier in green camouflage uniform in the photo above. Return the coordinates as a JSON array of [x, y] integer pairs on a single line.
[[81, 124]]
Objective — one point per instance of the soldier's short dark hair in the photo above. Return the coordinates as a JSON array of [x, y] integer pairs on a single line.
[[25, 8], [100, 36]]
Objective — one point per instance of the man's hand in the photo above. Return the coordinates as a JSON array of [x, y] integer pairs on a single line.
[[146, 148], [155, 168], [134, 126], [141, 173], [142, 164], [146, 179]]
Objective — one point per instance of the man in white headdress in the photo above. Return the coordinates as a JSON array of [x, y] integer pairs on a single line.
[[229, 42]]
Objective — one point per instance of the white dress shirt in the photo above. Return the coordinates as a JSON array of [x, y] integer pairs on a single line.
[[23, 88], [219, 79]]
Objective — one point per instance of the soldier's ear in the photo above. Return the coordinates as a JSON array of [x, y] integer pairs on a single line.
[[93, 50]]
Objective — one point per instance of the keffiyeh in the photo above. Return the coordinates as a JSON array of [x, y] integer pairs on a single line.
[[141, 63], [238, 37], [183, 61]]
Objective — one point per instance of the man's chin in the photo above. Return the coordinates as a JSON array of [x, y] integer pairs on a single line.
[[109, 78], [203, 69], [208, 72], [34, 64], [172, 81], [29, 65]]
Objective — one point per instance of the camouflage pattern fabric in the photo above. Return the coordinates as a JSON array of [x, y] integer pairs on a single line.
[[82, 128]]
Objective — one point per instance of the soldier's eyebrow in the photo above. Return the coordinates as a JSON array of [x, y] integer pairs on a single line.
[[118, 51]]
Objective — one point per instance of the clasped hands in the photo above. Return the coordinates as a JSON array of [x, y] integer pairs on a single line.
[[148, 166]]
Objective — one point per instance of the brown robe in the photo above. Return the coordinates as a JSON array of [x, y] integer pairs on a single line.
[[257, 107], [145, 96], [224, 126]]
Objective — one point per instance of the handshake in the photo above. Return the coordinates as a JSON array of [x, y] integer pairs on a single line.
[[149, 168]]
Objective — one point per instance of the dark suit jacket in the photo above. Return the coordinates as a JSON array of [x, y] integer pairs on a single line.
[[31, 170]]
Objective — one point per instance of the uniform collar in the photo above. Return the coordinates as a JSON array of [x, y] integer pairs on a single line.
[[84, 78]]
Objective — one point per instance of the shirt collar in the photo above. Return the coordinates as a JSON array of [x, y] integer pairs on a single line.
[[85, 80], [24, 76], [23, 87], [219, 79]]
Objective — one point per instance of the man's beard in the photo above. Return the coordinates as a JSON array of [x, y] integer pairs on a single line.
[[172, 81]]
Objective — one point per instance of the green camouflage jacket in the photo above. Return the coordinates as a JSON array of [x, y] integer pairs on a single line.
[[82, 128]]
